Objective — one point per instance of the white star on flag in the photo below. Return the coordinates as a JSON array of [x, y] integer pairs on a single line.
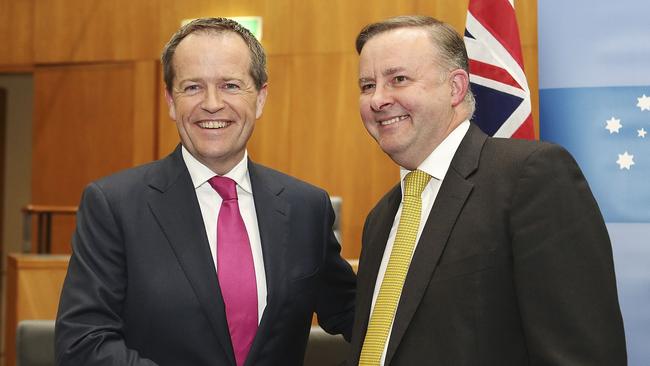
[[625, 161], [641, 132], [614, 124], [644, 103]]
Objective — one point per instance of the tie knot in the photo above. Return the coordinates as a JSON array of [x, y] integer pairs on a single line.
[[415, 182], [226, 187]]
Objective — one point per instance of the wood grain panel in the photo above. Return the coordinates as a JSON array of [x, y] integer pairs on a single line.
[[330, 146], [16, 19], [34, 284], [95, 30], [166, 132], [276, 16], [145, 109], [271, 142], [83, 130], [332, 26]]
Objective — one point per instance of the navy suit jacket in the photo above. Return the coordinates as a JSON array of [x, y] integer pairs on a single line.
[[142, 288], [513, 267]]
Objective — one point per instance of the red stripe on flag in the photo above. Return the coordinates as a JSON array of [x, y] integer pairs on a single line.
[[526, 130], [492, 72], [499, 18]]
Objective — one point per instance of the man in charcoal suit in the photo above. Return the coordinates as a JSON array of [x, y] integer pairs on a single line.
[[203, 258], [489, 251]]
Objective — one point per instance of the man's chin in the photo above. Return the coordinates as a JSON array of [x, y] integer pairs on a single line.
[[391, 147]]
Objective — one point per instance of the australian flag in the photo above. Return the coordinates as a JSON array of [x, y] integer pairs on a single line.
[[497, 78]]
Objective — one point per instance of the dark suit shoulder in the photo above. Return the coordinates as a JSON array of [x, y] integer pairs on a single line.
[[512, 155], [132, 180], [130, 185], [514, 150], [125, 177], [292, 186]]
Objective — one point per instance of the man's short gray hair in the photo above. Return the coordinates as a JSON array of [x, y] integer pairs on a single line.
[[452, 52], [217, 25]]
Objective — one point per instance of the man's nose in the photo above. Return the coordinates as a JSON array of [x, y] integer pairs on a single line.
[[212, 101], [381, 99]]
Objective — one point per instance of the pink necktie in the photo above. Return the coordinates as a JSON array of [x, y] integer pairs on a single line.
[[235, 270]]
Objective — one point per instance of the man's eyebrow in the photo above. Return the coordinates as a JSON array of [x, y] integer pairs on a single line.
[[392, 70], [365, 80], [387, 72], [189, 80]]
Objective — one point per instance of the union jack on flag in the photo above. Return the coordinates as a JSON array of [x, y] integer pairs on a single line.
[[497, 78]]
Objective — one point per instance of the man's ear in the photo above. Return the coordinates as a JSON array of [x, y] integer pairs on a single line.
[[459, 80], [170, 104], [261, 100]]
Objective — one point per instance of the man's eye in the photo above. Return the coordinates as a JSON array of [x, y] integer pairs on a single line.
[[366, 87], [231, 86], [191, 88], [400, 78]]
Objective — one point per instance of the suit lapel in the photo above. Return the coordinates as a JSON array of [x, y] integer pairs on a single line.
[[449, 203], [174, 204], [273, 223]]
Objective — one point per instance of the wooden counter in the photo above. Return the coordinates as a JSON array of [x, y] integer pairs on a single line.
[[34, 285]]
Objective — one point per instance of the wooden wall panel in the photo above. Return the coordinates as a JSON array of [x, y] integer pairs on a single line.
[[167, 134], [276, 17], [84, 129], [145, 111], [271, 143], [95, 30], [332, 26], [16, 21]]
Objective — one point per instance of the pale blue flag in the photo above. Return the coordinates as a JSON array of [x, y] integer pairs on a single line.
[[594, 76]]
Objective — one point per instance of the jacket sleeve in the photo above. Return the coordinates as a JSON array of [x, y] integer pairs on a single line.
[[563, 267], [335, 306], [88, 326]]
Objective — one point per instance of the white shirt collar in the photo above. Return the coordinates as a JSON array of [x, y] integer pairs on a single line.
[[437, 163], [200, 173]]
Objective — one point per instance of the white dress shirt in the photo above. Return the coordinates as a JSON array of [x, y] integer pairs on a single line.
[[436, 165], [210, 203]]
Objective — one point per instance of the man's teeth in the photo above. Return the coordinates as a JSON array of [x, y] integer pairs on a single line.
[[213, 124], [393, 120]]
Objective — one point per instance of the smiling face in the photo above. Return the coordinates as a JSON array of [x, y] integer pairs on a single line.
[[213, 99], [408, 102]]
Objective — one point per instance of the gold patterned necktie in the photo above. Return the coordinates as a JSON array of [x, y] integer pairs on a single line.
[[398, 265]]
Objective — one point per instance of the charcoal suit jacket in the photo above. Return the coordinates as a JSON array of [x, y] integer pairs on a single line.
[[513, 267], [142, 288]]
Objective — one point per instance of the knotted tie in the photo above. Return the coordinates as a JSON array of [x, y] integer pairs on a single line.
[[235, 270], [398, 265]]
